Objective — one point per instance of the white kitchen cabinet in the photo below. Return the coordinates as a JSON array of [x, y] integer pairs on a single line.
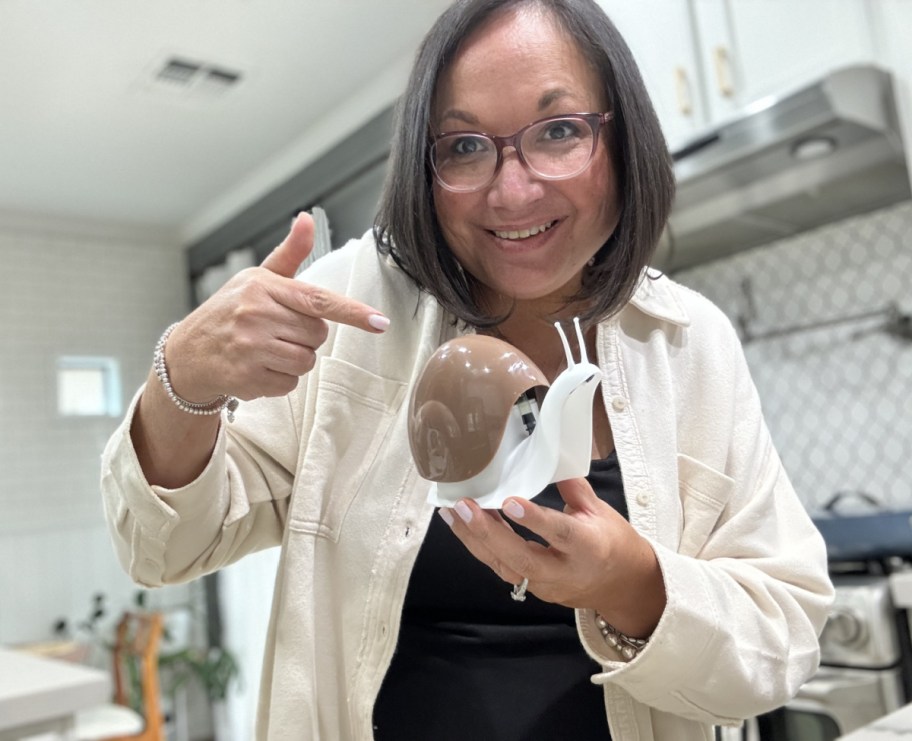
[[750, 49], [660, 34], [704, 61], [892, 21]]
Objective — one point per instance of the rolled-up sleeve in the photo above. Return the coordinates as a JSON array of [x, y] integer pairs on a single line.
[[237, 505]]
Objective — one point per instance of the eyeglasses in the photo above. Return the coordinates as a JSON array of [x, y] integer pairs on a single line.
[[553, 148]]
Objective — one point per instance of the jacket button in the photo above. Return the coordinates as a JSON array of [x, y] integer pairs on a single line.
[[643, 498], [619, 403]]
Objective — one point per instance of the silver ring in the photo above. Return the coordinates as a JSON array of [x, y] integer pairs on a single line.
[[519, 591]]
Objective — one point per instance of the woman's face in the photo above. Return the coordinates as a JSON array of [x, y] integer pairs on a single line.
[[519, 67]]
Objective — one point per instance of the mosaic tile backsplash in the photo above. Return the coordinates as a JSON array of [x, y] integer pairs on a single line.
[[826, 322]]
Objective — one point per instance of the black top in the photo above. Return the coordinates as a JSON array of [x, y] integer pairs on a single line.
[[473, 664]]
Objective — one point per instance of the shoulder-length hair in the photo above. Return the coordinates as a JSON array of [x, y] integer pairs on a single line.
[[406, 226]]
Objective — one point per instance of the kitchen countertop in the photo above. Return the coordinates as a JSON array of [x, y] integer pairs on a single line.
[[38, 694], [896, 725]]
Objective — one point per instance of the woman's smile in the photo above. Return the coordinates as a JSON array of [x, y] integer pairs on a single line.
[[522, 233]]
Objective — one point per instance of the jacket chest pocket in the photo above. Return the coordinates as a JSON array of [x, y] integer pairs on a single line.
[[354, 410], [704, 493]]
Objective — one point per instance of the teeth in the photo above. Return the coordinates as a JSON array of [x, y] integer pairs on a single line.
[[524, 233]]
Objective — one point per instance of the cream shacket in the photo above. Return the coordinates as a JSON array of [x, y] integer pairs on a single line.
[[326, 472]]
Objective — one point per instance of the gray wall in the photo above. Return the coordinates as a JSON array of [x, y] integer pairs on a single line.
[[345, 181]]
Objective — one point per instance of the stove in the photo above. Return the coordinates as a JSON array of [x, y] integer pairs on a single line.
[[861, 631], [865, 649]]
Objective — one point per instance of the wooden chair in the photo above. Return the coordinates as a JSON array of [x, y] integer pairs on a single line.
[[135, 714]]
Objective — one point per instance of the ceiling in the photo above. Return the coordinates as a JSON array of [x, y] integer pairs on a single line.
[[88, 129]]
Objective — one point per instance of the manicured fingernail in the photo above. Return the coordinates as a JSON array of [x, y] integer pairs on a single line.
[[379, 322], [446, 515], [462, 509], [514, 509]]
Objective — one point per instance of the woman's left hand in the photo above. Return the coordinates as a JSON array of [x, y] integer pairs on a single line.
[[594, 557]]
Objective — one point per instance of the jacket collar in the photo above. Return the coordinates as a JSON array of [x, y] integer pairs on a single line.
[[655, 296]]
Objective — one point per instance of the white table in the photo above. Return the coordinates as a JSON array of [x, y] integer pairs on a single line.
[[39, 695], [897, 726]]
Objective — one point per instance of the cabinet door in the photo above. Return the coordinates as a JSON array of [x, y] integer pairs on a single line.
[[753, 48], [892, 21], [660, 35]]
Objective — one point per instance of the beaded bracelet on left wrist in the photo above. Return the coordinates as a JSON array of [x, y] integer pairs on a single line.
[[628, 647], [228, 403]]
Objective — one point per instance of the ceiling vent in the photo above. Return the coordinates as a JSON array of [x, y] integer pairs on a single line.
[[180, 73]]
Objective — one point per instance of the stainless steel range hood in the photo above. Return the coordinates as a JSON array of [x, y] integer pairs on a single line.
[[825, 152]]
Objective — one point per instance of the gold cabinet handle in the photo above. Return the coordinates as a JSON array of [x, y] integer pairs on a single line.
[[723, 72], [682, 89]]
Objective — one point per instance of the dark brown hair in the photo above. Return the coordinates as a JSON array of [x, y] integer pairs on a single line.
[[406, 226]]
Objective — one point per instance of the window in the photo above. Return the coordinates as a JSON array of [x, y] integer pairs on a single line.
[[88, 387]]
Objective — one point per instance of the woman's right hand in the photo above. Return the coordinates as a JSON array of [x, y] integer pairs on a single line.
[[259, 333], [254, 337]]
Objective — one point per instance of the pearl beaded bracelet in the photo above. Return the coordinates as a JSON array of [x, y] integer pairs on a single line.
[[629, 647], [190, 407]]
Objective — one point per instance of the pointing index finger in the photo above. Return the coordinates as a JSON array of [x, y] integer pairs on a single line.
[[322, 303]]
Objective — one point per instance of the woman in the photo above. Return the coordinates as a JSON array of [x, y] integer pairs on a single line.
[[679, 586]]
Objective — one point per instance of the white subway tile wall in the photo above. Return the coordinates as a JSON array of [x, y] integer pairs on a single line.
[[68, 289], [826, 321]]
